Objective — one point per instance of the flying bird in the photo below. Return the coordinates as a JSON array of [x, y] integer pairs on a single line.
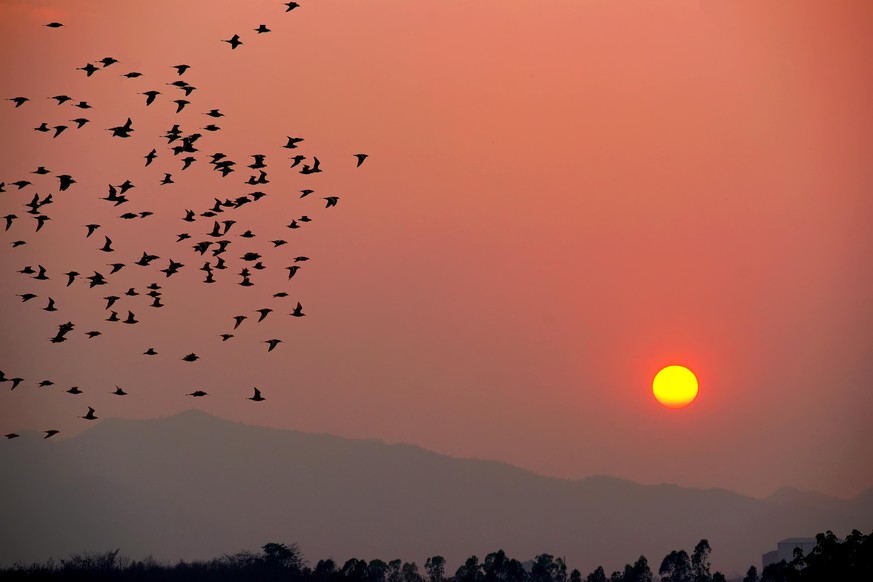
[[331, 201], [150, 96], [234, 41], [119, 392], [298, 311], [361, 158], [89, 69], [150, 352], [273, 343], [52, 432], [53, 24], [197, 393], [257, 397], [107, 61], [130, 318], [107, 246], [181, 68], [11, 435], [191, 358], [74, 390], [291, 6], [262, 29], [90, 415], [264, 312]]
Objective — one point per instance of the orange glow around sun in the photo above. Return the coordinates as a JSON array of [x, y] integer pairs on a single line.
[[675, 386]]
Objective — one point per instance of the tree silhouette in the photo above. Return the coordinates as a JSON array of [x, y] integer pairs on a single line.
[[676, 567], [752, 575], [598, 575], [435, 567], [700, 562]]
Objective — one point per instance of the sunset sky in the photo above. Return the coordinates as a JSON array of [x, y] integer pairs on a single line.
[[561, 197]]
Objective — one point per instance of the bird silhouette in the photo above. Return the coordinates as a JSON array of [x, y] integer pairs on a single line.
[[19, 101], [107, 61], [59, 129], [331, 201], [291, 6], [107, 246], [238, 319], [74, 390], [262, 29], [197, 393], [80, 122], [150, 96], [130, 318], [9, 218], [191, 358], [91, 228], [90, 415], [11, 435], [292, 142], [89, 69], [361, 158], [150, 157], [50, 433], [257, 396], [234, 41], [150, 352], [298, 311], [273, 343], [122, 130], [264, 312], [51, 305], [226, 336], [181, 68], [119, 392]]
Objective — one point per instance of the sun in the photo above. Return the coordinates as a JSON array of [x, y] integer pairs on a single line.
[[675, 386]]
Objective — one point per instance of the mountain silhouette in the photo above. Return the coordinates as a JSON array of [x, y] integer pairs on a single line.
[[193, 486]]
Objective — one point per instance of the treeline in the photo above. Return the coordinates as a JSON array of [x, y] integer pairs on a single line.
[[849, 560]]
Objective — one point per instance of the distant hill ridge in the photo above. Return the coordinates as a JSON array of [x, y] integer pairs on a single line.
[[194, 486]]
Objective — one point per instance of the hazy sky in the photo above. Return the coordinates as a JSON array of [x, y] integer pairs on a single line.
[[561, 198]]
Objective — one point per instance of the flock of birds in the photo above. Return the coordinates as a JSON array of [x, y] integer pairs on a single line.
[[210, 234]]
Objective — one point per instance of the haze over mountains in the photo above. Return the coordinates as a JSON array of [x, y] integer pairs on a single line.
[[193, 486]]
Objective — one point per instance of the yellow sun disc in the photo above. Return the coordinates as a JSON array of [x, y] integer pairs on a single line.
[[675, 386]]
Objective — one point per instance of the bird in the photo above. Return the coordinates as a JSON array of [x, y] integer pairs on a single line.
[[238, 319], [180, 104], [59, 129], [168, 179], [40, 221], [132, 75], [172, 268], [11, 435], [119, 392], [298, 311], [130, 318], [50, 433], [107, 61], [51, 305], [107, 246], [181, 68], [27, 297], [113, 316], [46, 383], [264, 312], [91, 228], [273, 343], [96, 279], [82, 105], [291, 6], [74, 390], [262, 29], [292, 142], [191, 358], [89, 69], [361, 158], [214, 113], [41, 276], [150, 352], [150, 96], [225, 336], [292, 270], [19, 101], [257, 396], [150, 157], [122, 130], [115, 267], [80, 122], [9, 218], [90, 415], [197, 393], [234, 41], [15, 382], [41, 171], [92, 334], [20, 184], [71, 276], [53, 25], [305, 193], [331, 201], [110, 300], [61, 98], [307, 169]]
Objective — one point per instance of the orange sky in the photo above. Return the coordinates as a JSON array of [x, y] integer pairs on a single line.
[[561, 197]]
